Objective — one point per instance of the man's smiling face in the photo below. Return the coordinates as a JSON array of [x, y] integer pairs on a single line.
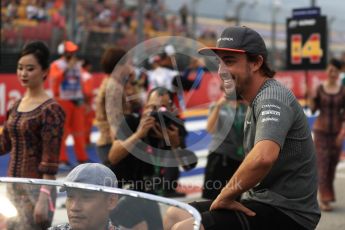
[[238, 66]]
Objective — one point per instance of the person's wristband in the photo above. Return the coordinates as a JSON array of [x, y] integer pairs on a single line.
[[44, 190], [51, 204]]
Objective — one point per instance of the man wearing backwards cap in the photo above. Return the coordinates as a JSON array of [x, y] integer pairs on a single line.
[[89, 210], [278, 176], [67, 86]]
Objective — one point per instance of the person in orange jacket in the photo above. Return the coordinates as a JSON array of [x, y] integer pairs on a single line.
[[88, 85], [66, 84]]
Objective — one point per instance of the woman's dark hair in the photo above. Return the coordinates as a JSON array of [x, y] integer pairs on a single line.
[[110, 58], [265, 69], [40, 52], [336, 63]]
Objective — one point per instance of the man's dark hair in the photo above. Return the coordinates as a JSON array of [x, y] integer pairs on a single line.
[[110, 58], [161, 91], [265, 69]]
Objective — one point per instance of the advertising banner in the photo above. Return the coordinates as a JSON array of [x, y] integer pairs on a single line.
[[208, 91]]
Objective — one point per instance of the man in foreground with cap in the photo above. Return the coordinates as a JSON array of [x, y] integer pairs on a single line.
[[67, 86], [86, 209], [278, 177]]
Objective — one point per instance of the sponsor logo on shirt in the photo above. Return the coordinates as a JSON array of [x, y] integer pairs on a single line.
[[269, 119], [270, 112], [270, 106]]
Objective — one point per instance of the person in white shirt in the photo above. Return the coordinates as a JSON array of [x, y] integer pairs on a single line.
[[160, 76]]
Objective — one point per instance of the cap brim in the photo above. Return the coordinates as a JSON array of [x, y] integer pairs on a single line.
[[212, 51]]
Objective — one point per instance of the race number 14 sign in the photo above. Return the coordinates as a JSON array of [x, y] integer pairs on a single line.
[[306, 43]]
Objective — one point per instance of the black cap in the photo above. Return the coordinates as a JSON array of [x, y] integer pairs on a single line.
[[239, 39]]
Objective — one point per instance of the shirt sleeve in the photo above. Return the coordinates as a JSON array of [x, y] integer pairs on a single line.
[[128, 126], [5, 140], [55, 78], [51, 133], [174, 73], [343, 104], [101, 116], [87, 83], [316, 100], [273, 121], [211, 108]]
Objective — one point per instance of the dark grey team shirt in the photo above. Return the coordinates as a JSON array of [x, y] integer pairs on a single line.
[[291, 185]]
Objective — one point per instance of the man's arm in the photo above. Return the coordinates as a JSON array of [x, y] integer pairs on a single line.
[[113, 89], [5, 140], [121, 148], [213, 116], [252, 171], [55, 78]]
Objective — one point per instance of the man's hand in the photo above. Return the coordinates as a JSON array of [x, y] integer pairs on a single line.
[[223, 203], [221, 101], [173, 133], [146, 123]]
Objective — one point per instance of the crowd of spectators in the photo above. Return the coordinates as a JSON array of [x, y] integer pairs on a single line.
[[28, 12], [95, 21]]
